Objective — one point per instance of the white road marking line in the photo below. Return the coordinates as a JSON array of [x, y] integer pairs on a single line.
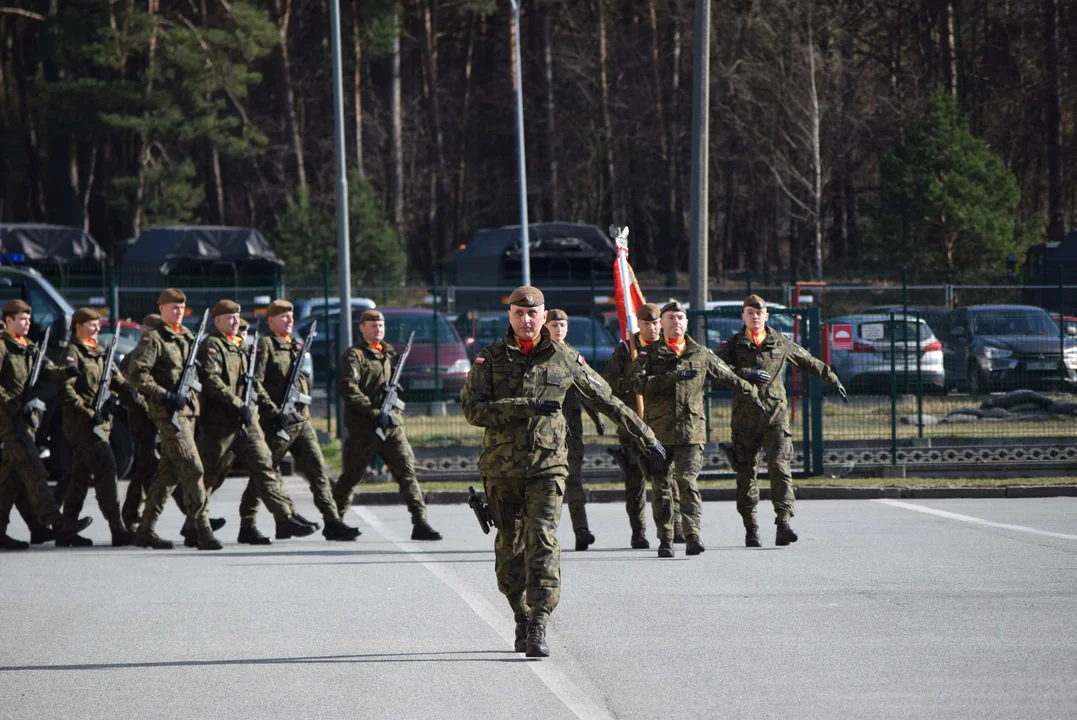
[[547, 670], [973, 520]]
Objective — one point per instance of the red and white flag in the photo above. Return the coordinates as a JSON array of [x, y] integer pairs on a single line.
[[626, 289]]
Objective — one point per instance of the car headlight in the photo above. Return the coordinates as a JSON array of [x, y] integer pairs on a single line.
[[995, 353], [460, 367]]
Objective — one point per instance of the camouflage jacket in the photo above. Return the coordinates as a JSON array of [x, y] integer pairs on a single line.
[[775, 351], [363, 374], [617, 373], [16, 364], [574, 406], [674, 408], [84, 367], [275, 358], [500, 395], [132, 399], [156, 366], [222, 370]]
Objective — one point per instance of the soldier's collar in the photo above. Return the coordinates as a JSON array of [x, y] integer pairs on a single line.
[[746, 337], [386, 348]]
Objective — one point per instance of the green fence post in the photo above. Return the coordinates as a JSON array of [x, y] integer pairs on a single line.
[[893, 394], [816, 349], [919, 380], [330, 355], [594, 332], [437, 346], [1061, 330], [114, 297], [905, 327]]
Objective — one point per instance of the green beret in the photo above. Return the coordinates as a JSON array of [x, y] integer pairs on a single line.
[[556, 315], [225, 307], [278, 307], [84, 315], [756, 302], [672, 306], [527, 296], [372, 316], [171, 295], [648, 312]]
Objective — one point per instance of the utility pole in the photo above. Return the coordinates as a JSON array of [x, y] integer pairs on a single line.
[[344, 337], [700, 154], [525, 249]]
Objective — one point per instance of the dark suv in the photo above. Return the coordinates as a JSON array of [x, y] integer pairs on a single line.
[[987, 347]]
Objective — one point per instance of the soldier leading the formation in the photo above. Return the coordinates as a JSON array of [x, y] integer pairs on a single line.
[[87, 429], [278, 353], [557, 324], [670, 375], [515, 390], [365, 373], [143, 438], [229, 428], [20, 415], [759, 353]]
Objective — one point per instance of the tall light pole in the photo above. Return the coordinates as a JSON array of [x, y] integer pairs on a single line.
[[344, 337], [700, 153], [525, 250]]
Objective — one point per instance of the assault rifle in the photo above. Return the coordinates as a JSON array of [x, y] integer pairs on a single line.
[[289, 408], [391, 401], [30, 401], [188, 379], [482, 510], [104, 392], [248, 392]]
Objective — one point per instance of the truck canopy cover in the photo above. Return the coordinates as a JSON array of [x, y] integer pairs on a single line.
[[49, 242], [169, 245]]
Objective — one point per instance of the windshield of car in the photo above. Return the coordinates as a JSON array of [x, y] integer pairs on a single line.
[[1014, 323], [579, 333]]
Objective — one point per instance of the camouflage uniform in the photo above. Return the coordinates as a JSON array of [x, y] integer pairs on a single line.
[[753, 430], [21, 468], [674, 410], [155, 368], [144, 441], [275, 358], [575, 497], [364, 372], [92, 455], [524, 460], [222, 368]]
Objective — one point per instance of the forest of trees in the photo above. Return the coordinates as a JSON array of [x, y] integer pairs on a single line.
[[848, 136]]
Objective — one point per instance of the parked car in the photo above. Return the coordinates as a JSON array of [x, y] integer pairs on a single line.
[[130, 333], [483, 328], [305, 307], [1069, 323], [991, 347], [862, 359], [934, 315], [419, 377], [719, 329], [479, 329]]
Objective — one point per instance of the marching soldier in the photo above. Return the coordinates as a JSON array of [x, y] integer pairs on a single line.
[[156, 367], [616, 374], [670, 374], [278, 352], [515, 390], [143, 437], [365, 372], [87, 430], [21, 467], [557, 324], [758, 353], [228, 428]]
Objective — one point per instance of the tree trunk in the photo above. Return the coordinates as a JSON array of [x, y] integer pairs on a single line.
[[295, 137], [946, 47], [1055, 223], [33, 160], [396, 135], [553, 211], [356, 88], [817, 158], [610, 195], [144, 156], [660, 113], [439, 236], [465, 127], [675, 215]]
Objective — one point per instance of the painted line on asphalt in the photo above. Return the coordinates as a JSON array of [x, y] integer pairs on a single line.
[[547, 670], [973, 520]]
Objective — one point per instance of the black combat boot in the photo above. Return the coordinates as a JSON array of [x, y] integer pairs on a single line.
[[751, 536], [120, 534], [521, 634], [300, 519], [206, 539], [216, 524], [339, 530], [150, 539], [289, 527], [252, 536], [665, 549], [694, 546], [584, 539], [678, 534], [76, 541], [10, 543], [41, 534], [785, 534], [639, 540], [421, 530], [190, 537], [65, 527], [536, 640]]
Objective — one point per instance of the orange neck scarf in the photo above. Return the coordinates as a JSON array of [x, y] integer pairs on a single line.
[[234, 339], [376, 346], [758, 336], [177, 328], [525, 345], [644, 343], [677, 346], [285, 338], [20, 339], [90, 343]]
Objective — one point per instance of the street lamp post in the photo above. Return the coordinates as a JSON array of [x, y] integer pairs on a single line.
[[344, 336]]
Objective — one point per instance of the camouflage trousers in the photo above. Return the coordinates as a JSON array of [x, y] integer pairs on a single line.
[[180, 465], [92, 464], [21, 471], [395, 451], [777, 442], [679, 470], [144, 440], [574, 495], [309, 462], [527, 557], [636, 493], [219, 447]]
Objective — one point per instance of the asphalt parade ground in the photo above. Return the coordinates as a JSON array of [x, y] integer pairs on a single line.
[[884, 609]]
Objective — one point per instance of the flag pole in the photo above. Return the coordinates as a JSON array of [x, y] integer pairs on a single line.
[[621, 238]]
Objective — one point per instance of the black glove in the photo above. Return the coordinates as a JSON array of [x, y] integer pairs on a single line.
[[71, 371], [385, 420], [687, 374], [175, 402], [28, 412], [282, 422], [600, 427], [841, 391], [133, 394], [656, 451], [759, 376], [246, 415], [547, 407], [389, 386], [103, 415]]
